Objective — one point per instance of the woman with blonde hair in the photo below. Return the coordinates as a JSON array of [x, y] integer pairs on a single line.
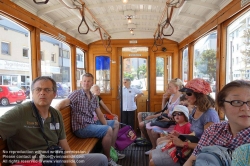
[[173, 88]]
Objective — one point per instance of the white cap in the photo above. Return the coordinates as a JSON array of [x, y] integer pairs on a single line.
[[183, 109]]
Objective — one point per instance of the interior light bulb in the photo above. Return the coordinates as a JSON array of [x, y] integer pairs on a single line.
[[131, 31], [124, 1], [129, 20]]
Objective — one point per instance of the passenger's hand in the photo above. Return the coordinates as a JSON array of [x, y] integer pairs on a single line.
[[177, 141], [175, 133], [114, 115], [164, 119], [167, 94]]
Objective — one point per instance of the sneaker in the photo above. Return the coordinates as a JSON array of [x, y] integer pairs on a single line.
[[120, 156], [147, 152], [140, 139], [112, 163], [143, 143]]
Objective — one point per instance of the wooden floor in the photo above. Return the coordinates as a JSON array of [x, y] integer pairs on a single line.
[[135, 156]]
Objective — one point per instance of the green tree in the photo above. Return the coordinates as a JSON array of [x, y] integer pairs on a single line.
[[128, 75], [159, 66], [208, 61], [141, 70]]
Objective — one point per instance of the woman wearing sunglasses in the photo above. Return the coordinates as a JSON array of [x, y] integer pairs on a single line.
[[173, 87], [202, 116], [234, 100]]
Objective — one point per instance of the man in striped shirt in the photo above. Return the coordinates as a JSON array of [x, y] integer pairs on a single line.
[[83, 103]]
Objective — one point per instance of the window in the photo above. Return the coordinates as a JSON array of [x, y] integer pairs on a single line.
[[14, 43], [66, 54], [25, 52], [205, 59], [55, 66], [185, 65], [53, 57], [102, 64], [136, 70], [80, 55], [163, 72], [5, 48], [238, 62]]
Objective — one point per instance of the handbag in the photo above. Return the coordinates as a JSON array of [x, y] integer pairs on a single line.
[[174, 152], [183, 153], [125, 137], [162, 124], [54, 154]]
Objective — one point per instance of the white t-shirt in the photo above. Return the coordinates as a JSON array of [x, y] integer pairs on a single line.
[[128, 98]]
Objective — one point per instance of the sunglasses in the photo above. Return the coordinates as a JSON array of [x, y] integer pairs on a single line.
[[179, 114], [189, 93]]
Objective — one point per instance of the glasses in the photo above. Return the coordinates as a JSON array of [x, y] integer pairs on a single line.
[[189, 93], [237, 103], [47, 90], [179, 114]]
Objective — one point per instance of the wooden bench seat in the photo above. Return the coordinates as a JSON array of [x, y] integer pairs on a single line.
[[82, 145], [78, 145]]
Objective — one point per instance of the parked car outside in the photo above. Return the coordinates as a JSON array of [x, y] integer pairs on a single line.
[[137, 84], [10, 94], [62, 90]]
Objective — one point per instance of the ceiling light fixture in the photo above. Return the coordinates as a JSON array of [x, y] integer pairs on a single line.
[[125, 1], [131, 28], [129, 14], [129, 19], [131, 31]]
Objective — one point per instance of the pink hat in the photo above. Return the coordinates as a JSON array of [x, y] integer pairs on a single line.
[[198, 85]]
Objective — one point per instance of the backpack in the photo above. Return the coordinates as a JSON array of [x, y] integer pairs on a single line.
[[214, 156]]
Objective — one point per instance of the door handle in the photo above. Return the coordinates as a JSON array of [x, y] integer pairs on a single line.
[[119, 93]]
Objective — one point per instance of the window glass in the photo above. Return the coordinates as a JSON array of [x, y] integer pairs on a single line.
[[185, 65], [136, 70], [15, 67], [102, 64], [25, 52], [163, 72], [205, 60], [238, 49], [160, 74], [55, 62], [80, 63], [5, 48]]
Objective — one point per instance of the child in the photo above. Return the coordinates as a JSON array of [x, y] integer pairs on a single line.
[[95, 89], [181, 116]]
